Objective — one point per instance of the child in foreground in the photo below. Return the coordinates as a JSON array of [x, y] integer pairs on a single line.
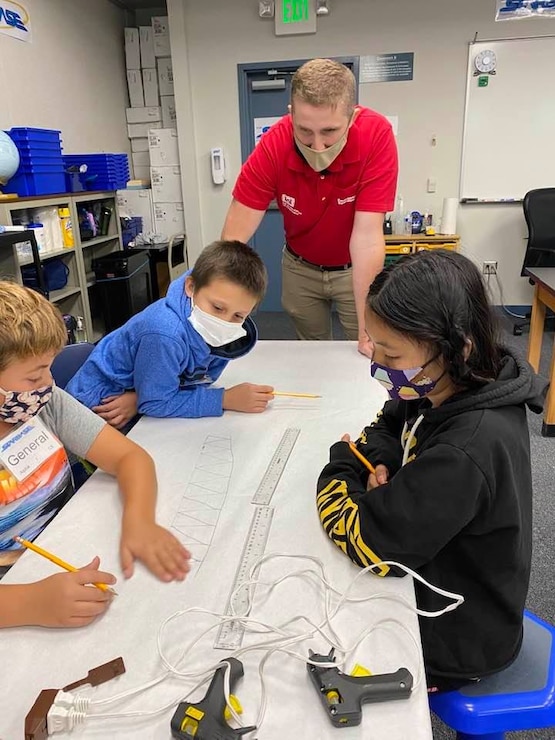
[[452, 494], [164, 361], [38, 421]]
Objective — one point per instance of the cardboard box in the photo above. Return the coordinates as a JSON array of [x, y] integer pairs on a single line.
[[169, 219], [150, 86], [161, 35], [136, 203], [140, 159], [135, 88], [169, 117], [140, 130], [139, 145], [166, 184], [132, 48], [142, 173], [163, 148], [143, 115], [146, 41], [165, 76]]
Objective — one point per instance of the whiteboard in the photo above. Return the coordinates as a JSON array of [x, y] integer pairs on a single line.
[[509, 128]]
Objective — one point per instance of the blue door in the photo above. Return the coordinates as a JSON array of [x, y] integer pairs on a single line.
[[264, 93]]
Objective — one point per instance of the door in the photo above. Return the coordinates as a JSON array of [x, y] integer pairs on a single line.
[[264, 94]]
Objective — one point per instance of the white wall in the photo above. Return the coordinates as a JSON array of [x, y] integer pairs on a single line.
[[213, 37], [71, 77]]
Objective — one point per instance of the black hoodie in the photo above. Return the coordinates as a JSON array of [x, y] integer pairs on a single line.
[[459, 513]]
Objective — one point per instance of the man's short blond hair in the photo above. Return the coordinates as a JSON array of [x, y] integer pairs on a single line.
[[323, 82], [29, 324]]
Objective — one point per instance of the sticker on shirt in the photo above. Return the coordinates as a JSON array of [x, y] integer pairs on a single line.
[[25, 449], [288, 201], [26, 506]]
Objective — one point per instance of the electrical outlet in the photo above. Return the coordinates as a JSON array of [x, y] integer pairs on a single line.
[[489, 267]]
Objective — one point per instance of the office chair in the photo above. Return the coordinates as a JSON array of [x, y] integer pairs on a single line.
[[539, 212], [68, 362]]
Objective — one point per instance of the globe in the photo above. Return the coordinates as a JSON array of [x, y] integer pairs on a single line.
[[9, 158]]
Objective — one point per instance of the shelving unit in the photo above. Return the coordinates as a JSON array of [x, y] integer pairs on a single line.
[[78, 296]]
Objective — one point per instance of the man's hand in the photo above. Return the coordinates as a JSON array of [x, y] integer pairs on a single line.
[[156, 547], [247, 397], [65, 599], [118, 410], [365, 346]]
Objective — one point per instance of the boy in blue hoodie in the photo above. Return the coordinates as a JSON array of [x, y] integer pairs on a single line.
[[164, 360]]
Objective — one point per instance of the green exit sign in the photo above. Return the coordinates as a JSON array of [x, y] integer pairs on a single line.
[[295, 11]]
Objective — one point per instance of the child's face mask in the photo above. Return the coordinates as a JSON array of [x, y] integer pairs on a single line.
[[23, 405], [399, 383], [215, 332]]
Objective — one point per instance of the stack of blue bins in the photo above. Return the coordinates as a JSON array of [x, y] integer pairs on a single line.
[[104, 171], [41, 166]]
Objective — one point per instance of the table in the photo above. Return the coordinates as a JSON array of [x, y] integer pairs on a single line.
[[33, 659], [544, 297]]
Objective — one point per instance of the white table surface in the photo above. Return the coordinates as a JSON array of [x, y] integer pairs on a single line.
[[33, 658]]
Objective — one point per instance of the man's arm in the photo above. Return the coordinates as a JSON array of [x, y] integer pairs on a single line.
[[241, 222], [367, 248]]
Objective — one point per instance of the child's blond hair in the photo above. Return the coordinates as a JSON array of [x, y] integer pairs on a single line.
[[29, 324]]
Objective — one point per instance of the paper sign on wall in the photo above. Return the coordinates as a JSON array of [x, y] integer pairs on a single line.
[[261, 125], [510, 10], [15, 20]]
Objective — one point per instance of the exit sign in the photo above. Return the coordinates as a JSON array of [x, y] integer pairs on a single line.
[[295, 17]]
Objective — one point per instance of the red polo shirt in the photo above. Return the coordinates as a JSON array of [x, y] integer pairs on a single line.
[[319, 207]]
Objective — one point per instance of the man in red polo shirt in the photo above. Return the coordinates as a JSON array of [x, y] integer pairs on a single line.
[[332, 167]]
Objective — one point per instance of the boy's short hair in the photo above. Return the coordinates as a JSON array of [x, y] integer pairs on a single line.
[[233, 261], [324, 82], [29, 324]]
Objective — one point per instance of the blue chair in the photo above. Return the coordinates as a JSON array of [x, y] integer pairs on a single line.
[[522, 697], [68, 362]]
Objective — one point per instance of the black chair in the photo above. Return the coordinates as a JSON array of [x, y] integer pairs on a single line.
[[539, 212]]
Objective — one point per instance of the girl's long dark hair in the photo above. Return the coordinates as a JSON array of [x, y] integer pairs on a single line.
[[438, 297]]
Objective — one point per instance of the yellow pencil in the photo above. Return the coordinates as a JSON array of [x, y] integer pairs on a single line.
[[59, 561], [295, 395], [362, 459]]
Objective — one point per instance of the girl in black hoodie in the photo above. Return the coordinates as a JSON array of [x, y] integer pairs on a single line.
[[452, 493]]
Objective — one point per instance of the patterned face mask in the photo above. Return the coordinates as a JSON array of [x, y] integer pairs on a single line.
[[399, 383], [23, 405]]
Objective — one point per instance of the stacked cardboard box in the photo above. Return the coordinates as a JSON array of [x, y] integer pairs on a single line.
[[150, 83], [151, 123]]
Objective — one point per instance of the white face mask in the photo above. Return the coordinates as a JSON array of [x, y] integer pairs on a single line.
[[215, 332]]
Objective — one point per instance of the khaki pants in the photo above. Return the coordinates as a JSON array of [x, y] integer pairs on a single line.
[[308, 293]]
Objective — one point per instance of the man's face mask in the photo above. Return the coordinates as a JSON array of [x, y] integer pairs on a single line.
[[215, 331], [321, 160], [23, 405], [400, 384]]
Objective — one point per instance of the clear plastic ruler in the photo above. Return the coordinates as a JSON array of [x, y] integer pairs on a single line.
[[230, 634], [275, 468]]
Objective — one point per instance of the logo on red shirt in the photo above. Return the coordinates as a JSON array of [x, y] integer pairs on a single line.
[[288, 201]]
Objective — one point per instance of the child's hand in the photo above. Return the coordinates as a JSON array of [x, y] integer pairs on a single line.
[[381, 477], [64, 599], [157, 548], [247, 397], [118, 410]]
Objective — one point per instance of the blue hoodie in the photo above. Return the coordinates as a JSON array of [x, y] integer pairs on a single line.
[[163, 358]]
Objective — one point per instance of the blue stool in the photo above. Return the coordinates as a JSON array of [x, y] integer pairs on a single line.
[[522, 697]]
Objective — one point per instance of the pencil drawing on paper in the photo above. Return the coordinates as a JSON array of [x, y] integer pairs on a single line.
[[204, 498]]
